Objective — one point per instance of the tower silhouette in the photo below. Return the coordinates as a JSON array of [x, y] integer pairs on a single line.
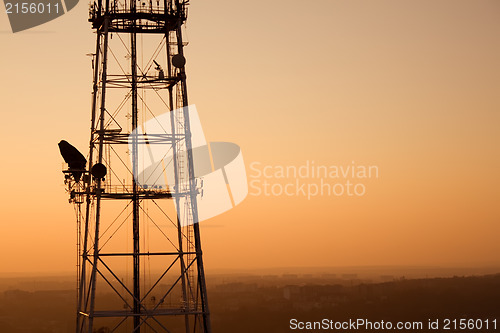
[[140, 265]]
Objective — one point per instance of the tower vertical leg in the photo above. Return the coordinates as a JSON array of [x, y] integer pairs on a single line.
[[192, 189], [93, 278], [135, 199], [170, 72]]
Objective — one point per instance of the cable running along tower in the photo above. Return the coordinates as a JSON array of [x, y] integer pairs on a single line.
[[140, 266]]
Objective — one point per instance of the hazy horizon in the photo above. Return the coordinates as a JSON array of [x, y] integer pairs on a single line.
[[371, 269]]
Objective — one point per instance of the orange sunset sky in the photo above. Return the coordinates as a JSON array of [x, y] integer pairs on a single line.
[[411, 87]]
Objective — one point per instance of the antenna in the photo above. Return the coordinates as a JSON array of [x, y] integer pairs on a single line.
[[161, 74]]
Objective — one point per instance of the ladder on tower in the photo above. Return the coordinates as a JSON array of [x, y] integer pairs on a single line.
[[185, 211]]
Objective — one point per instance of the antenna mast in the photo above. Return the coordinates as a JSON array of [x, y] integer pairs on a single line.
[[140, 263]]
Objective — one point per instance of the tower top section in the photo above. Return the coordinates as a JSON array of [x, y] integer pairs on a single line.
[[139, 16]]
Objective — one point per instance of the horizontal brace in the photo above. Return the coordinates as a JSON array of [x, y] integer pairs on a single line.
[[75, 170], [153, 84], [158, 312], [129, 196], [112, 137], [142, 254], [126, 78], [160, 16], [140, 195]]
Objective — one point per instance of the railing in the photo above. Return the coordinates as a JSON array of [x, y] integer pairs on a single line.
[[118, 189], [98, 9]]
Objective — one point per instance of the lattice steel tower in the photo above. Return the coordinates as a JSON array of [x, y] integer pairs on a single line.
[[140, 266]]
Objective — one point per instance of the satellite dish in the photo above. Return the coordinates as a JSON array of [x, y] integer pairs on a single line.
[[99, 170], [76, 161], [178, 60]]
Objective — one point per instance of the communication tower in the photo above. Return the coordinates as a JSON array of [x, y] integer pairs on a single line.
[[140, 266]]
